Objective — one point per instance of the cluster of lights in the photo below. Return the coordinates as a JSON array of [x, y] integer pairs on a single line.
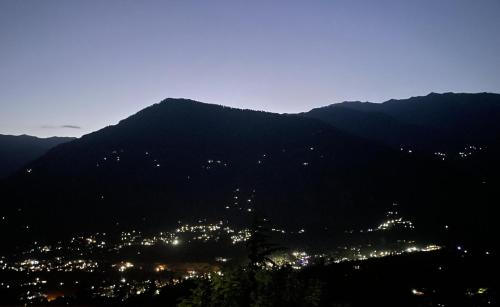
[[282, 231], [211, 163], [384, 253], [184, 233], [395, 222], [441, 155], [57, 265], [123, 266], [241, 236], [296, 259], [242, 203], [469, 150]]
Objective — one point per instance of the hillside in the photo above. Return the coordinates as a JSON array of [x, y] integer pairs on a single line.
[[436, 122], [16, 151], [185, 160]]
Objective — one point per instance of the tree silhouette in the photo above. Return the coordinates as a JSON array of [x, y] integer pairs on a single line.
[[259, 246]]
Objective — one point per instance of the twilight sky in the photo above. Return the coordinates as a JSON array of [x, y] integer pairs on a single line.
[[71, 67]]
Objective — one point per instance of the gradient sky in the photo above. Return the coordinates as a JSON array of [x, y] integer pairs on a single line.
[[88, 64]]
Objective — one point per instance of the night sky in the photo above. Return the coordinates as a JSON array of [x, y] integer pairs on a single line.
[[71, 67]]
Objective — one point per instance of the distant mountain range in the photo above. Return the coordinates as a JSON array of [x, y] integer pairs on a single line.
[[438, 122], [17, 151], [324, 169]]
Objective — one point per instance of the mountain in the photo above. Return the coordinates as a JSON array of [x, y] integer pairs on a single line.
[[437, 122], [16, 151], [186, 160]]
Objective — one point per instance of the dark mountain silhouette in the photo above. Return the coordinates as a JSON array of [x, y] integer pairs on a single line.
[[437, 122], [185, 160], [16, 151]]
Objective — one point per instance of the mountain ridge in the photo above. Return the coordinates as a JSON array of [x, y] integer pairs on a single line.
[[18, 150], [449, 120], [185, 160], [194, 156]]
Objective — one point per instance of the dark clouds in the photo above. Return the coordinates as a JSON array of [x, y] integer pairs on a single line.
[[61, 126]]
